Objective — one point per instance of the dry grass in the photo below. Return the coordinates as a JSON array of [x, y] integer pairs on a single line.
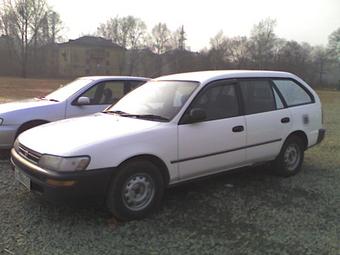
[[18, 88]]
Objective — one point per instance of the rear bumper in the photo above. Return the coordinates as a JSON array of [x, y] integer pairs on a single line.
[[321, 135], [64, 186]]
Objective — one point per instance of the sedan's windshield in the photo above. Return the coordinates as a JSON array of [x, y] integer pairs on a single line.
[[68, 90], [155, 100]]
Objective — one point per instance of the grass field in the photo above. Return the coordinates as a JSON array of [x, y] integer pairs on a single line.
[[249, 211]]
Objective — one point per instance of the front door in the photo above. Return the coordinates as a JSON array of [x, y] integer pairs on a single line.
[[217, 143]]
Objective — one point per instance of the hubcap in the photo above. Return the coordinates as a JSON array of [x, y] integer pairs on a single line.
[[138, 192], [292, 157]]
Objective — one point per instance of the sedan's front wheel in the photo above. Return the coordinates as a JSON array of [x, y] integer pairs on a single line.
[[136, 190]]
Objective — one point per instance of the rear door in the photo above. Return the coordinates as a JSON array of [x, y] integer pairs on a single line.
[[268, 121], [217, 143]]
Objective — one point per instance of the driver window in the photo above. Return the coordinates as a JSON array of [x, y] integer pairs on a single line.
[[108, 92], [219, 101]]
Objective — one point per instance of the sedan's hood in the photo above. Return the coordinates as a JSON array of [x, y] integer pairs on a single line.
[[23, 104], [67, 137]]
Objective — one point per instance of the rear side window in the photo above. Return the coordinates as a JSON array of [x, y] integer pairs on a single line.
[[292, 92], [258, 96]]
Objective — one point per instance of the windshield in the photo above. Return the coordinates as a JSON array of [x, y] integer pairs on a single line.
[[68, 90], [159, 99]]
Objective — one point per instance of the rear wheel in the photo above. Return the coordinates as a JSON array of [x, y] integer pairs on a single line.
[[136, 190], [290, 159]]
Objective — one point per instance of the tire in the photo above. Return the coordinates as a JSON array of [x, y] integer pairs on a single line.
[[136, 190], [290, 159]]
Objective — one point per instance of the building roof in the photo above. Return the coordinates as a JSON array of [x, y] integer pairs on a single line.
[[207, 76], [91, 41]]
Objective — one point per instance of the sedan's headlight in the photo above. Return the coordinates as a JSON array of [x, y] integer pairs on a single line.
[[62, 164], [1, 121]]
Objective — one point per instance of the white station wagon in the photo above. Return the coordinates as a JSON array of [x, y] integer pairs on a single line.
[[83, 96], [172, 129]]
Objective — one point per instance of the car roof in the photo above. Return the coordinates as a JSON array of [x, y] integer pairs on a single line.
[[207, 76], [132, 78]]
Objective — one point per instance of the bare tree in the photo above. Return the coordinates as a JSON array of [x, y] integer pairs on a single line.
[[334, 43], [23, 20], [321, 59], [128, 32], [51, 28], [263, 40], [219, 51], [239, 52], [160, 36]]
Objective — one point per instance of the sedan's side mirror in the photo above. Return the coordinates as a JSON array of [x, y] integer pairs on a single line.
[[83, 101], [195, 115]]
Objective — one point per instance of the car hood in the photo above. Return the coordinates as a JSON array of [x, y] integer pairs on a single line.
[[23, 104], [70, 136]]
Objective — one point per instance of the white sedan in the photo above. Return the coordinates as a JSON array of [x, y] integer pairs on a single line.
[[172, 129], [83, 96]]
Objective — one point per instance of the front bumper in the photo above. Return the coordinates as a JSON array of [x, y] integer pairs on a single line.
[[7, 136], [64, 186]]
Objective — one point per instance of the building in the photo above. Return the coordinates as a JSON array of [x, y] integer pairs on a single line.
[[87, 55]]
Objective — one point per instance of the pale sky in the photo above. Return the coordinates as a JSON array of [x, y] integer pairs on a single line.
[[302, 20]]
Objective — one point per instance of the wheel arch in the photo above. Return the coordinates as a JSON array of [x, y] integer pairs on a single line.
[[155, 160], [30, 124], [302, 135]]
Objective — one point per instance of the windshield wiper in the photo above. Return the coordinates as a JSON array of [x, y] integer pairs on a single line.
[[115, 112], [44, 98], [150, 117], [139, 116]]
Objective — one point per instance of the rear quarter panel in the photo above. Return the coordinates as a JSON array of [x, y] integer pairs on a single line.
[[308, 119]]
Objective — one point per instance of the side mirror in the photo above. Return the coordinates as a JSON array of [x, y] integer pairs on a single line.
[[83, 101], [195, 115]]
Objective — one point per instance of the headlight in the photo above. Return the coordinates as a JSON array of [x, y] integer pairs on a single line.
[[62, 164], [1, 121]]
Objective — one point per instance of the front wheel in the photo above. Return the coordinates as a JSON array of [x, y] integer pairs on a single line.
[[136, 190], [290, 159]]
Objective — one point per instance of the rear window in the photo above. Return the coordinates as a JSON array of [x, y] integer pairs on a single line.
[[292, 92]]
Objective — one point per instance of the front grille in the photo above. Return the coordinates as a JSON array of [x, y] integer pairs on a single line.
[[28, 154]]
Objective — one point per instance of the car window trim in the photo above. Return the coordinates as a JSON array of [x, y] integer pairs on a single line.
[[283, 100], [231, 82]]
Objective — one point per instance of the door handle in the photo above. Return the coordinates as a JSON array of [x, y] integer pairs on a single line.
[[285, 120], [238, 129]]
